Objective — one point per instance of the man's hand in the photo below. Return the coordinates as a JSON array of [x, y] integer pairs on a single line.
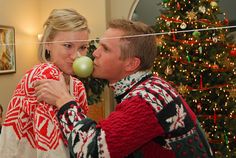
[[52, 91]]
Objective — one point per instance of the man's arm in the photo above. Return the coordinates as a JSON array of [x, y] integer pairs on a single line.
[[53, 92], [132, 124]]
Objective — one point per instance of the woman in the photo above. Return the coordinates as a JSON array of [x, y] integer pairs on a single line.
[[31, 128]]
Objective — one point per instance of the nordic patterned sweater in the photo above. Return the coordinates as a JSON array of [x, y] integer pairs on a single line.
[[151, 120]]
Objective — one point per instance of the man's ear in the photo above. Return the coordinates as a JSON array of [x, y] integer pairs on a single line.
[[132, 64]]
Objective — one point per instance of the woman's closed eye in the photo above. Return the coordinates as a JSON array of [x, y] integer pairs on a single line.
[[67, 45], [83, 48]]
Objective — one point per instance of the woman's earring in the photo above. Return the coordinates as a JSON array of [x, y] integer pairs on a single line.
[[47, 54]]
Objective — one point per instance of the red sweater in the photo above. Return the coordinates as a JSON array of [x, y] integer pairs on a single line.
[[31, 128], [151, 120]]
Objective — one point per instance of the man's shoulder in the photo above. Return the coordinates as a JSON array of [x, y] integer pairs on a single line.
[[155, 91]]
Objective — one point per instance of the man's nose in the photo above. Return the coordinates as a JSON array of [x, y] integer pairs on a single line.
[[96, 52]]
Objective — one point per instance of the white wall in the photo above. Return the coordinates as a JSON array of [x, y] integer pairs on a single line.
[[120, 8], [93, 10], [23, 16]]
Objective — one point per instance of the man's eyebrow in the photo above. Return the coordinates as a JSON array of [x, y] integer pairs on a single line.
[[104, 45]]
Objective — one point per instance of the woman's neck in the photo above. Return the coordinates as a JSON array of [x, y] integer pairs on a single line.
[[67, 79]]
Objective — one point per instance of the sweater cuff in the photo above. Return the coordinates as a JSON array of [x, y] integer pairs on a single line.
[[66, 107]]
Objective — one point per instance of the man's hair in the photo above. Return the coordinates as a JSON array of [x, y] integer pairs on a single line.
[[138, 41], [60, 20]]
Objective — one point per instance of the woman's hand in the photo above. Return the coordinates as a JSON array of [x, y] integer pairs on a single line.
[[52, 91]]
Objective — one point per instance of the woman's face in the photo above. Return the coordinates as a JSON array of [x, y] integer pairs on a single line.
[[65, 47]]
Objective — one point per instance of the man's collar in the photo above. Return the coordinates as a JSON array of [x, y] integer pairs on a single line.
[[126, 83]]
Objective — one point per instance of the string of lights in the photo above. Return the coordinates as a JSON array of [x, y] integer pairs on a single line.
[[133, 36]]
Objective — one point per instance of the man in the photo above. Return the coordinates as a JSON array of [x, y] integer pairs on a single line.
[[150, 120]]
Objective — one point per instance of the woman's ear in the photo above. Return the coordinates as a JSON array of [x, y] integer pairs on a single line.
[[132, 64], [47, 46]]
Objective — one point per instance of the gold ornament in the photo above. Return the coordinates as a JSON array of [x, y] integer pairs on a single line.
[[202, 9], [168, 70], [159, 41], [175, 53], [191, 15], [183, 89], [232, 93], [222, 37], [213, 4]]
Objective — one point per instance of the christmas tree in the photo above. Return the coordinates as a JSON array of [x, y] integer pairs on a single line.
[[195, 57]]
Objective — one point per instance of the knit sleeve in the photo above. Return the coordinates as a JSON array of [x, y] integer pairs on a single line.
[[131, 125], [79, 131], [79, 93]]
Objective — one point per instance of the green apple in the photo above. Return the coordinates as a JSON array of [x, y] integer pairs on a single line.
[[83, 66]]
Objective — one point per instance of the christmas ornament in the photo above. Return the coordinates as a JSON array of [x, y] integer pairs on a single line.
[[199, 107], [196, 34], [168, 70], [201, 82], [202, 9], [214, 39], [215, 117], [191, 15], [233, 52], [83, 66], [167, 23], [226, 138], [222, 37], [159, 41], [183, 25], [226, 21], [200, 50], [183, 89], [232, 93], [215, 67], [175, 53], [178, 6], [213, 4], [188, 58]]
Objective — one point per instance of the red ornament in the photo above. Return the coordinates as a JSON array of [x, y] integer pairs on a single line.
[[199, 107], [178, 6], [226, 21], [233, 52], [215, 67], [201, 84]]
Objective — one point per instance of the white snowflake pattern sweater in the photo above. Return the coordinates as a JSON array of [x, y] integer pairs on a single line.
[[150, 120]]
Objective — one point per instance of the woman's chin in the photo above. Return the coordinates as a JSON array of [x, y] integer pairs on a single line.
[[69, 72]]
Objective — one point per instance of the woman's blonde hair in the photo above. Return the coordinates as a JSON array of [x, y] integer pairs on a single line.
[[60, 20]]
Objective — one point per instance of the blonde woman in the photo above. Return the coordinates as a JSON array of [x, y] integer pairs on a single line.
[[31, 129]]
